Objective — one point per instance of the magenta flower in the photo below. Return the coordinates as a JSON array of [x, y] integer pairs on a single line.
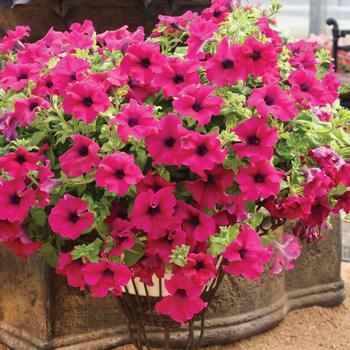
[[9, 230], [225, 67], [25, 109], [85, 99], [200, 31], [258, 140], [259, 180], [320, 210], [13, 37], [284, 254], [176, 75], [70, 217], [264, 26], [71, 269], [17, 75], [197, 225], [15, 200], [69, 70], [135, 120], [163, 246], [246, 255], [117, 172], [106, 276], [184, 300], [19, 163], [153, 212], [81, 157], [200, 268], [8, 126], [203, 152], [306, 88], [257, 57], [272, 99], [155, 183], [22, 246], [209, 191], [198, 102], [165, 144], [45, 86], [148, 267], [123, 237], [143, 60]]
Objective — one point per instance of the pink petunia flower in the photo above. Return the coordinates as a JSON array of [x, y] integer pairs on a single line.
[[139, 90], [203, 152], [13, 37], [68, 70], [165, 144], [123, 237], [155, 183], [106, 276], [176, 75], [135, 120], [225, 67], [259, 180], [200, 268], [17, 76], [71, 269], [9, 230], [25, 109], [246, 255], [258, 140], [148, 267], [8, 126], [284, 254], [117, 172], [85, 99], [70, 217], [15, 200], [320, 210], [81, 157], [153, 212], [143, 60], [199, 103], [209, 191], [264, 26], [272, 99], [45, 86], [20, 162], [197, 225], [184, 300]]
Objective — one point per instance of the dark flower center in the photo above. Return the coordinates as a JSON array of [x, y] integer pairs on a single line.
[[22, 76], [73, 217], [15, 199], [260, 178], [199, 265], [87, 101], [153, 211], [304, 87], [227, 64], [49, 84], [210, 179], [169, 142], [120, 174], [181, 293], [133, 122], [107, 273], [269, 100], [20, 159], [167, 239], [178, 79], [253, 140], [32, 106], [73, 76], [217, 13], [194, 220], [83, 151], [121, 239], [145, 62], [256, 55], [202, 150], [132, 83], [243, 253], [197, 107]]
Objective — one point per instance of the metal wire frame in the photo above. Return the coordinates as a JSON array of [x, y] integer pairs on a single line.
[[143, 320]]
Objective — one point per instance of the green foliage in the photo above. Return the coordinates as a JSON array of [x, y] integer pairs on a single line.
[[221, 240], [90, 251], [179, 255]]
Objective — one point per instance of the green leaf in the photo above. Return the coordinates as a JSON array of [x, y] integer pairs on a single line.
[[91, 251], [132, 256], [179, 255], [49, 253], [221, 240], [39, 216]]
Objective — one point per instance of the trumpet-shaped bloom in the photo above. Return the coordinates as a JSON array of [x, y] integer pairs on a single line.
[[71, 269]]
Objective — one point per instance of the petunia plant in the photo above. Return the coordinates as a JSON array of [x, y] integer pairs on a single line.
[[170, 156]]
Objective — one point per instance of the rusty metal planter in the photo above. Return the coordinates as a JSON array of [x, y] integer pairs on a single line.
[[39, 311]]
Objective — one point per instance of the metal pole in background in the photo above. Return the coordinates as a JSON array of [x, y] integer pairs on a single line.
[[318, 16]]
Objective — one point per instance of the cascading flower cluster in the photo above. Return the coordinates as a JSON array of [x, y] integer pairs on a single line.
[[129, 157]]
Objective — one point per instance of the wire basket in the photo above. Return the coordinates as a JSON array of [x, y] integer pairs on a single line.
[[148, 329]]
